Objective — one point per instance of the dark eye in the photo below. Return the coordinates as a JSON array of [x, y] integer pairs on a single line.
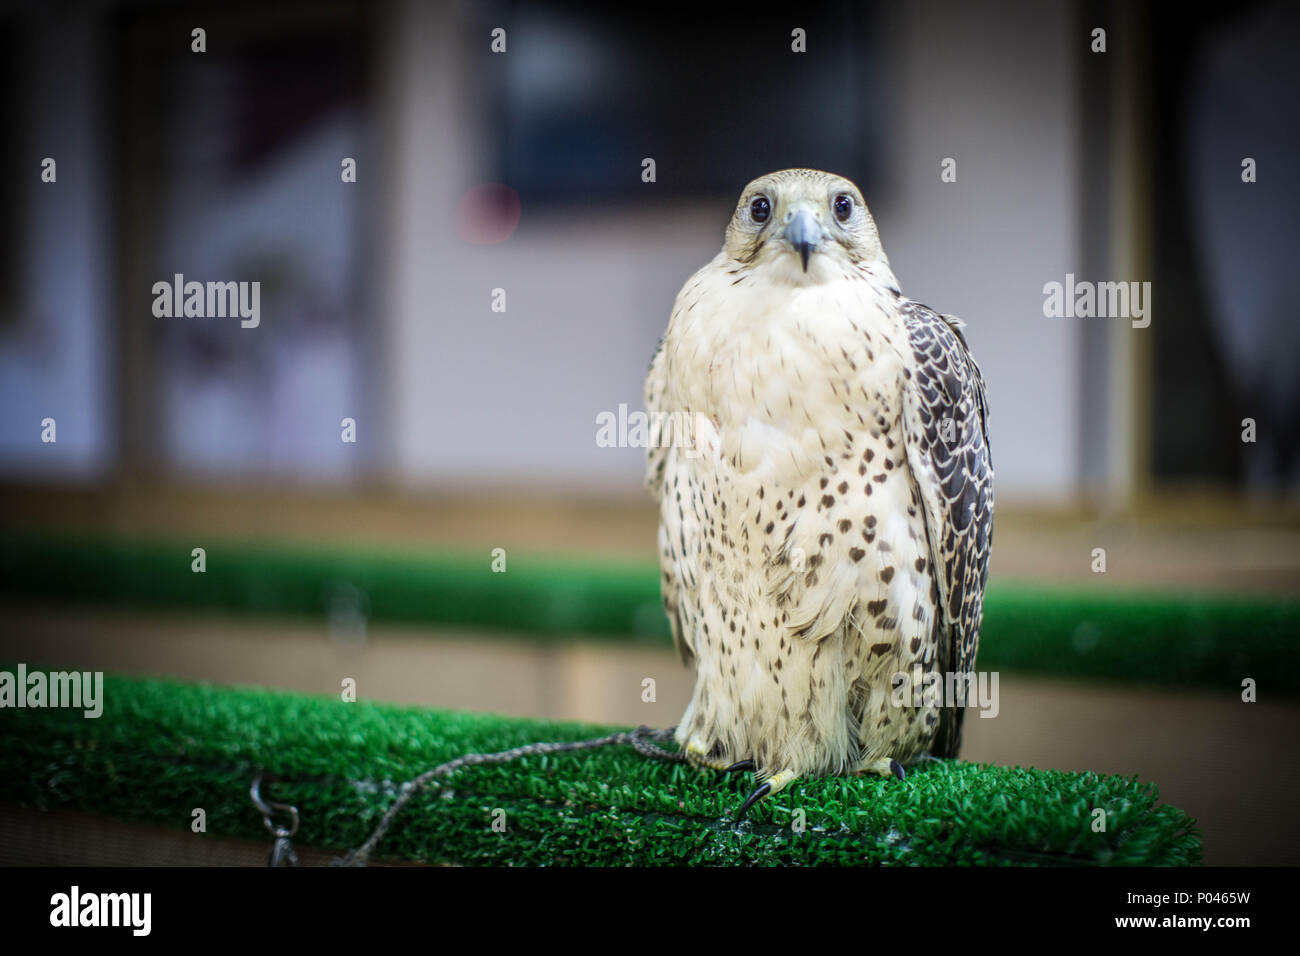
[[760, 209], [843, 207]]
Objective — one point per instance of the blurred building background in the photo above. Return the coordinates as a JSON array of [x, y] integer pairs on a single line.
[[521, 171], [226, 164]]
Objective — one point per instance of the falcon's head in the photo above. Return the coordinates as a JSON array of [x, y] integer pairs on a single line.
[[808, 224]]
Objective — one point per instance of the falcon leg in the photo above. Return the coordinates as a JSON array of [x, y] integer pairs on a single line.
[[698, 754], [886, 767], [773, 784]]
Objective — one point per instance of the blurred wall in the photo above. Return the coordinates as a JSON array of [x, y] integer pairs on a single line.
[[466, 396], [56, 338], [484, 397]]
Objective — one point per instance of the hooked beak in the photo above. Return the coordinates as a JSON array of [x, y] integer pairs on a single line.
[[804, 234]]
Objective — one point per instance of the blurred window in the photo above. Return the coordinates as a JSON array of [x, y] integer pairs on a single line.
[[587, 92], [231, 166]]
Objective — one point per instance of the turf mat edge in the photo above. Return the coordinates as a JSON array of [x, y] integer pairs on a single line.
[[162, 748]]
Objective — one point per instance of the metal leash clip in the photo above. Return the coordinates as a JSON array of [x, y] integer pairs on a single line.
[[282, 853]]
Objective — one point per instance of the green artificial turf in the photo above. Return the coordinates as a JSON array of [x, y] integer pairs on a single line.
[[162, 748], [1174, 640]]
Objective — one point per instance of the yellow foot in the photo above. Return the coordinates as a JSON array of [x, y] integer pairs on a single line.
[[773, 784], [697, 752], [886, 767]]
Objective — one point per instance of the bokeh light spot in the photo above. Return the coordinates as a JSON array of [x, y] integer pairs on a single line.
[[488, 214]]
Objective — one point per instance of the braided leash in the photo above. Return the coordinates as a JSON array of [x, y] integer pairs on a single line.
[[642, 740]]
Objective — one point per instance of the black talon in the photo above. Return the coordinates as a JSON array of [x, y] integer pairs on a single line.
[[897, 770], [740, 765], [762, 791]]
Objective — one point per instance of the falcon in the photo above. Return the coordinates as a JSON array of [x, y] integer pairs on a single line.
[[826, 500]]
